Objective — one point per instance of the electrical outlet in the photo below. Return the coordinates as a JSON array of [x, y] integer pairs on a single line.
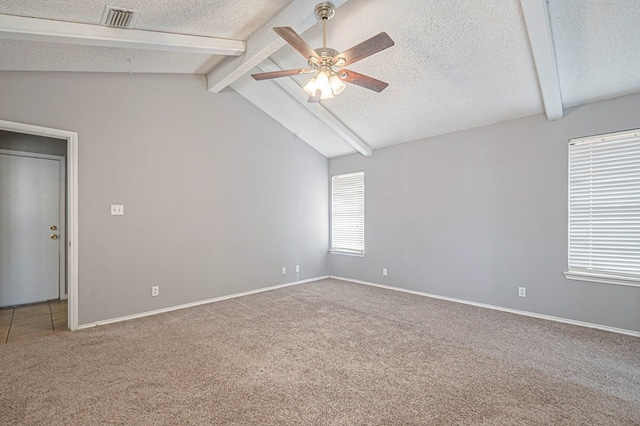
[[155, 290], [384, 271], [117, 210], [297, 268], [284, 270], [522, 291]]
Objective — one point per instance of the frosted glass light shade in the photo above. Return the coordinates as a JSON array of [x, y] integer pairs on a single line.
[[328, 87], [311, 87], [337, 86], [327, 93], [322, 81]]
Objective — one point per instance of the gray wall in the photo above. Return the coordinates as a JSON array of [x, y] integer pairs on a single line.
[[32, 143], [477, 213], [218, 196]]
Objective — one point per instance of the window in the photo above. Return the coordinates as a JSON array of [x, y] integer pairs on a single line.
[[347, 213], [604, 208]]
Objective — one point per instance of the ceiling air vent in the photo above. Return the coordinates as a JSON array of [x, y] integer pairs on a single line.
[[119, 17]]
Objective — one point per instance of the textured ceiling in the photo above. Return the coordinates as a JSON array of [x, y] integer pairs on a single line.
[[213, 18], [235, 19], [456, 64], [598, 48]]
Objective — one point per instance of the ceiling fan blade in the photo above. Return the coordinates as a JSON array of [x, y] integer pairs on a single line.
[[291, 37], [276, 74], [364, 81], [367, 48]]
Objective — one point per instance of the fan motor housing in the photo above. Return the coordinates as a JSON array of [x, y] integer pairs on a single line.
[[326, 58], [326, 52]]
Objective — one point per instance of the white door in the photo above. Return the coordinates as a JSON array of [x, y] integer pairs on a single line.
[[29, 229]]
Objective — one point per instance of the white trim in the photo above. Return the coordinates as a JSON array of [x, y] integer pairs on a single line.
[[72, 205], [345, 253], [62, 230], [31, 154], [602, 278], [498, 308], [44, 30], [536, 16], [198, 303], [625, 134], [62, 270], [264, 42]]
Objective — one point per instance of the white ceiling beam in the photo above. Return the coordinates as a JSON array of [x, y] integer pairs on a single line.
[[318, 109], [44, 30], [536, 16], [264, 42], [290, 114]]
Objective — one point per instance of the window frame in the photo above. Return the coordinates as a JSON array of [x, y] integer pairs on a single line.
[[619, 278], [343, 250]]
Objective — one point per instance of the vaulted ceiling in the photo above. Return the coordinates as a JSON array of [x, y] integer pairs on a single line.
[[455, 65]]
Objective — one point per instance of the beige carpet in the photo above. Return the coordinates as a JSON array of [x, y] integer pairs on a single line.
[[324, 353]]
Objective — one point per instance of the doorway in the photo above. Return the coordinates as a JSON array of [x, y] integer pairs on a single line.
[[32, 222], [70, 267]]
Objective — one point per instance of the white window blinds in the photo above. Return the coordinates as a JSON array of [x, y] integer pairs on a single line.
[[347, 213], [604, 205]]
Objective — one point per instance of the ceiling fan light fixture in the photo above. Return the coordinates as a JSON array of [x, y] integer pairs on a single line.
[[327, 63], [337, 85], [311, 87], [324, 86], [327, 93], [339, 62], [322, 80]]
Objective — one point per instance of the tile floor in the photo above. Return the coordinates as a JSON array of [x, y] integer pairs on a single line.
[[30, 321]]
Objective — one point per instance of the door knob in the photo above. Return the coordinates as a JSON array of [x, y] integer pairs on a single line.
[[54, 236]]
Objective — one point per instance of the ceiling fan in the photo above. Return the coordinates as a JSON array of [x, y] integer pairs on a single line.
[[327, 63]]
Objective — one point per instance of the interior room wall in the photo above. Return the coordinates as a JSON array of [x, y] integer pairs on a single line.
[[475, 214], [217, 196]]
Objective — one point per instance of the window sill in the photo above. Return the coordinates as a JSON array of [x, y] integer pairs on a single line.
[[603, 278], [346, 252]]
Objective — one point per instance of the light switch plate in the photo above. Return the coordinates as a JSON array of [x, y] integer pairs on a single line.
[[117, 210]]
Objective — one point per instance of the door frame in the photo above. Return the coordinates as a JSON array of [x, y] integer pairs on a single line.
[[62, 229], [71, 202]]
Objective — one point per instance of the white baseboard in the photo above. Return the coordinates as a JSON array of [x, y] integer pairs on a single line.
[[200, 302], [497, 308]]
